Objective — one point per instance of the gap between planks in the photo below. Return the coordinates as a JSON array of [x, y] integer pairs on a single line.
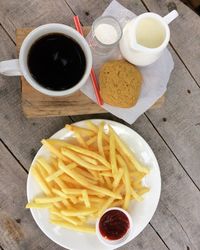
[[1, 248], [70, 7], [71, 118], [14, 156], [1, 25], [198, 84], [159, 235], [171, 151]]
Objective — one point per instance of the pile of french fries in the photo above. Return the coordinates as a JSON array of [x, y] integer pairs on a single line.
[[82, 178]]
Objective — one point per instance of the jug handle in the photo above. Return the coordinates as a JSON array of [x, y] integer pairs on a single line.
[[170, 16]]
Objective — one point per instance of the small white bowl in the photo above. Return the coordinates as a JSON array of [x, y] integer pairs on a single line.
[[118, 242]]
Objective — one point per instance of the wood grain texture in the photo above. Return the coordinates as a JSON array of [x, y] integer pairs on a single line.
[[177, 120], [177, 219], [17, 228], [21, 135], [32, 13], [187, 41], [173, 134], [18, 231], [184, 145]]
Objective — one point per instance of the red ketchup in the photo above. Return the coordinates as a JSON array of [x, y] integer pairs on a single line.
[[113, 225]]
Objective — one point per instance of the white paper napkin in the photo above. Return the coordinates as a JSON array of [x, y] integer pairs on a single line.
[[155, 76]]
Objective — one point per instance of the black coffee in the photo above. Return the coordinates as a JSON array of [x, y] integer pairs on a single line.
[[56, 62]]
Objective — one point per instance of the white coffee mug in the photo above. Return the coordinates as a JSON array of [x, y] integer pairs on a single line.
[[19, 66], [151, 26]]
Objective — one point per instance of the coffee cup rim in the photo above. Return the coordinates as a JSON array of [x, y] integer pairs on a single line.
[[47, 29]]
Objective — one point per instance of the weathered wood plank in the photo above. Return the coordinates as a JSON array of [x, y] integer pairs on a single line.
[[181, 132], [20, 134], [185, 32], [177, 219], [180, 232], [177, 121], [17, 229], [32, 13]]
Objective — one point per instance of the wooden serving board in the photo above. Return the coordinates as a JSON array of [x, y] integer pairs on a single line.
[[36, 104]]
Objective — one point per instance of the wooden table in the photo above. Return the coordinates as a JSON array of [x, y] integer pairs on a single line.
[[172, 131]]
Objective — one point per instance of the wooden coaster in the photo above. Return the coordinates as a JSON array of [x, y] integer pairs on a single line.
[[36, 104]]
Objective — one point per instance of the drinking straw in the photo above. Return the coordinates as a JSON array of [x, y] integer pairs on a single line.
[[92, 73]]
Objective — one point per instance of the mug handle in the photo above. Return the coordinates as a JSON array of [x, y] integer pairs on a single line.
[[170, 16], [10, 68]]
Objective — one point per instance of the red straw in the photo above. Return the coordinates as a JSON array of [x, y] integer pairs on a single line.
[[92, 73]]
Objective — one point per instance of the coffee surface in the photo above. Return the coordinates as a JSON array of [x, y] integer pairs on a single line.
[[56, 62]]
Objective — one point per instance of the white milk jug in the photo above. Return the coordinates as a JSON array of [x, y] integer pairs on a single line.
[[145, 37]]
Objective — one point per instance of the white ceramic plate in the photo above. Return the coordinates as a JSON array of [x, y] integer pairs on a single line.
[[141, 212]]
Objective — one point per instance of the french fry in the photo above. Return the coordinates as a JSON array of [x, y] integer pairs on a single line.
[[106, 148], [81, 150], [108, 174], [45, 165], [128, 153], [92, 126], [82, 131], [60, 183], [80, 139], [85, 183], [135, 195], [73, 199], [83, 211], [85, 198], [77, 191], [71, 220], [100, 139], [59, 193], [58, 205], [48, 199], [126, 180], [41, 181], [91, 140], [82, 228], [38, 205], [86, 174], [68, 180], [93, 173], [117, 178], [108, 181], [59, 172], [117, 203], [105, 205], [143, 190], [55, 151], [137, 175], [113, 155], [88, 159], [74, 157], [54, 175], [80, 182]]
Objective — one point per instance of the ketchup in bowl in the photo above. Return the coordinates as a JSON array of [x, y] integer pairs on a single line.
[[114, 227], [114, 224]]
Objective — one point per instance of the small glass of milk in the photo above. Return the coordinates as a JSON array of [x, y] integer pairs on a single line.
[[105, 34]]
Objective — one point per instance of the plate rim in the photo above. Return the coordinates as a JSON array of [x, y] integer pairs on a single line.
[[77, 123]]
